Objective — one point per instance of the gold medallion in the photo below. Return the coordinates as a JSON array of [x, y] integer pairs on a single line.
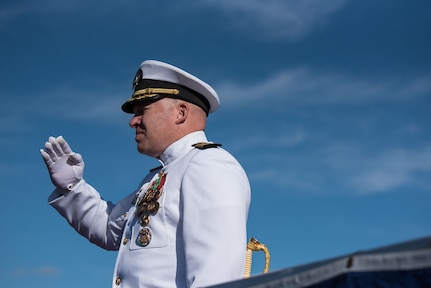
[[144, 237]]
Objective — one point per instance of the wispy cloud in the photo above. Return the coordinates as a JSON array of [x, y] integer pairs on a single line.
[[42, 271], [82, 105], [304, 86], [28, 8], [279, 136], [273, 19], [293, 86], [327, 161], [61, 103], [392, 169], [350, 167], [277, 19], [18, 10]]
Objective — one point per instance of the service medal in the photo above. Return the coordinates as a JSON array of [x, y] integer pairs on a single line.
[[144, 237], [148, 205]]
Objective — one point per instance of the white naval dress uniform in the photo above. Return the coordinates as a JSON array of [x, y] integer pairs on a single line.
[[198, 235]]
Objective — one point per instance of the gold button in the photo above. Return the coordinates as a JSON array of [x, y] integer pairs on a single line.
[[118, 281], [125, 240]]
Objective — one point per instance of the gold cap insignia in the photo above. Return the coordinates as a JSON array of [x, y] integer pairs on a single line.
[[137, 78]]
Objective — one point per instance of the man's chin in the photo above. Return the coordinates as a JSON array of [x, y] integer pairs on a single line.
[[145, 152], [140, 150]]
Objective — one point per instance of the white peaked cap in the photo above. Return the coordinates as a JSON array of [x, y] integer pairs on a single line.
[[154, 76]]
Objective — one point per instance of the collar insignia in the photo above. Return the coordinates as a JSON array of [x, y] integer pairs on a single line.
[[206, 145]]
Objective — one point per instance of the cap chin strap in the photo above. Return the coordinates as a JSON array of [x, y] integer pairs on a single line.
[[153, 92]]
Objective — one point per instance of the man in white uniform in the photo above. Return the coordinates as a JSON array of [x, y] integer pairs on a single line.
[[185, 225]]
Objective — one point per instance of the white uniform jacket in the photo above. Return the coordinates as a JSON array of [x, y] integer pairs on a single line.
[[194, 237]]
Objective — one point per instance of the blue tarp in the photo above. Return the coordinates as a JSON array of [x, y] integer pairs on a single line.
[[404, 265]]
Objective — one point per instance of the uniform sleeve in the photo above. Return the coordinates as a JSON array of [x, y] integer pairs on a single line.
[[100, 221], [215, 200]]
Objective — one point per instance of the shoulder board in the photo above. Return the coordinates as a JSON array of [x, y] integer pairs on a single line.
[[206, 145], [156, 168]]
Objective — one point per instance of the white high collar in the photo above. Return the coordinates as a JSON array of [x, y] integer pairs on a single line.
[[181, 147]]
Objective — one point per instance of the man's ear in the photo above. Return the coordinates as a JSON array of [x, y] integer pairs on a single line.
[[183, 112]]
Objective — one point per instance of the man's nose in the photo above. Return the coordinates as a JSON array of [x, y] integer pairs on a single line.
[[134, 121]]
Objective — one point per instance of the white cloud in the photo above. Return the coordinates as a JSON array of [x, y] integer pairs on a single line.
[[274, 19], [277, 18], [100, 106], [24, 9], [293, 181], [59, 104], [294, 86], [344, 169], [44, 271], [391, 170], [79, 104], [278, 137], [363, 170], [47, 271], [304, 86]]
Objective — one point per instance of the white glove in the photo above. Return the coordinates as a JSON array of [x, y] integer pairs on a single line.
[[65, 167]]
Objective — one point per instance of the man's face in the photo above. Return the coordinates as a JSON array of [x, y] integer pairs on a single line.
[[154, 124]]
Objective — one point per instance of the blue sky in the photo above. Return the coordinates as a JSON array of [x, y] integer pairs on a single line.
[[325, 103]]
